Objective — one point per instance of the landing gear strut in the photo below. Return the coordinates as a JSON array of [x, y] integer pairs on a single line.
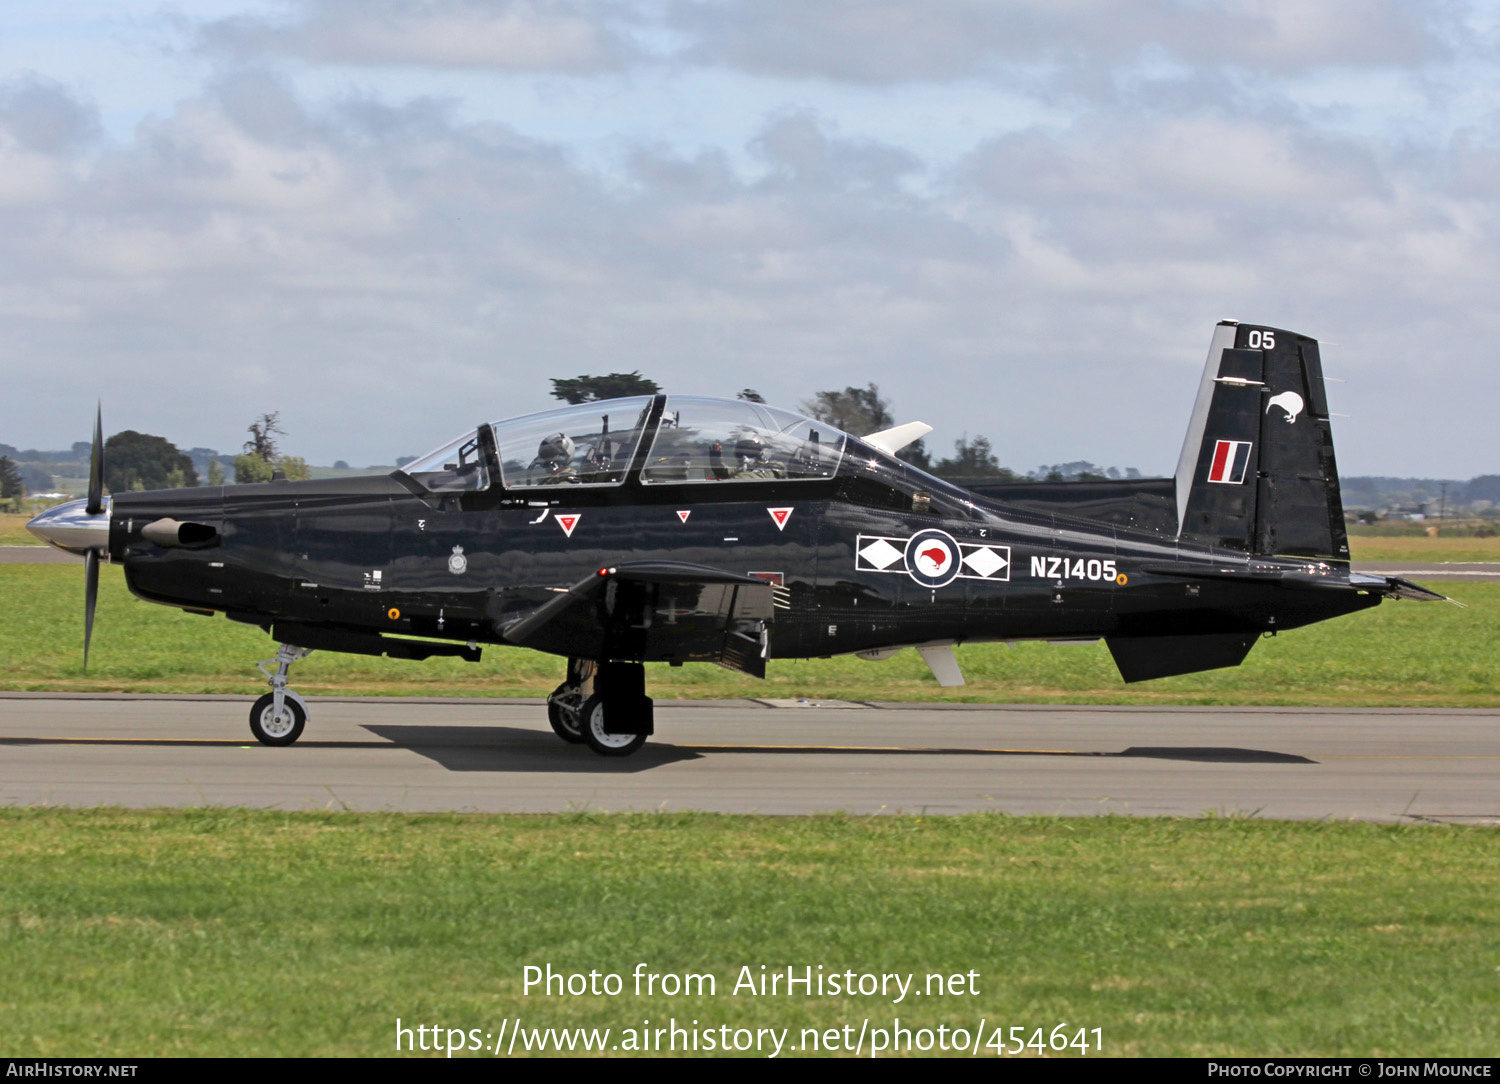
[[603, 705], [279, 716], [566, 701]]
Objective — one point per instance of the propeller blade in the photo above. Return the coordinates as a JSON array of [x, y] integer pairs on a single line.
[[96, 467], [90, 597]]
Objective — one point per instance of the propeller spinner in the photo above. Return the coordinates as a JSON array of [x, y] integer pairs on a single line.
[[82, 527]]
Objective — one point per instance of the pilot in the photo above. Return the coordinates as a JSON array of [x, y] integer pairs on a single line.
[[749, 460], [553, 463]]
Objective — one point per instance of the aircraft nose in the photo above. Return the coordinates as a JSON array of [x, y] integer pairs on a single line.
[[71, 527]]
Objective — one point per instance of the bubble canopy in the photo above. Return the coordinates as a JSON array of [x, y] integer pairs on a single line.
[[725, 440], [694, 440]]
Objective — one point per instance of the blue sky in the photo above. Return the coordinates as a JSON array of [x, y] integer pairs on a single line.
[[388, 220]]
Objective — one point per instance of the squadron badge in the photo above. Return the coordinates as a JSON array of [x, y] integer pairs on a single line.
[[458, 563]]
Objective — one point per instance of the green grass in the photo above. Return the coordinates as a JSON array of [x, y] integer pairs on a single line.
[[1399, 548], [231, 932], [13, 531], [1399, 653]]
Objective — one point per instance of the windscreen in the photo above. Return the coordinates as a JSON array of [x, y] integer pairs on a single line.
[[456, 467]]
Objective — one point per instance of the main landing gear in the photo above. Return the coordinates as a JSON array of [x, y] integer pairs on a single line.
[[279, 716], [603, 705]]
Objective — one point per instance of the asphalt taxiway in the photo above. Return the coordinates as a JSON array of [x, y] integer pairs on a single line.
[[761, 756]]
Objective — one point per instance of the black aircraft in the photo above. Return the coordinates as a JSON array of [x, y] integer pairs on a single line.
[[675, 529]]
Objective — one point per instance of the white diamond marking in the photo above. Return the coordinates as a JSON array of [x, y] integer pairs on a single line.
[[985, 561], [880, 553]]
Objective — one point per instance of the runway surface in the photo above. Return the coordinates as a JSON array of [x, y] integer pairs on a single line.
[[750, 756], [37, 555]]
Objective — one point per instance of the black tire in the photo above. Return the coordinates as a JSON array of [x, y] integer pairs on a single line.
[[271, 731], [591, 716], [564, 721]]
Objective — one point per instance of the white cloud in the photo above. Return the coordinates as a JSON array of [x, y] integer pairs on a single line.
[[509, 35], [384, 268], [883, 41]]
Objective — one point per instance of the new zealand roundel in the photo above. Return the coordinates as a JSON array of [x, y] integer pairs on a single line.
[[932, 558]]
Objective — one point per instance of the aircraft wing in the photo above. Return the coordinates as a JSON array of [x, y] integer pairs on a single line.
[[655, 611]]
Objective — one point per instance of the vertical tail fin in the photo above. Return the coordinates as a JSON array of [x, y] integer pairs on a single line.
[[1257, 472]]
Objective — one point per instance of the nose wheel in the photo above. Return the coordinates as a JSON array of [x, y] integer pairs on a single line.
[[273, 726], [279, 716]]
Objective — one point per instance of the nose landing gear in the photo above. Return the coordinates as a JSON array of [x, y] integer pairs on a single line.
[[564, 706], [278, 717]]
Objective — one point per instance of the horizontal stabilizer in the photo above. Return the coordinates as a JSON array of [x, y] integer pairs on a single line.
[[1141, 658], [1394, 587]]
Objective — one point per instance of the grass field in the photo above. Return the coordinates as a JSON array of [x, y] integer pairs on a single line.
[[1398, 653], [214, 932], [1398, 548], [13, 531]]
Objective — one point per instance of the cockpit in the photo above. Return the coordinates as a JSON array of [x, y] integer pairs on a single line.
[[688, 440]]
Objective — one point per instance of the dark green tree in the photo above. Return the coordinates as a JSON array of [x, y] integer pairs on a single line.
[[589, 389], [251, 468], [973, 459], [263, 433], [862, 411], [11, 488], [141, 461], [262, 456], [1080, 470], [857, 411]]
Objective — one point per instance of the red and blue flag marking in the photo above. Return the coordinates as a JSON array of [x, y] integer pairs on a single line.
[[1231, 457]]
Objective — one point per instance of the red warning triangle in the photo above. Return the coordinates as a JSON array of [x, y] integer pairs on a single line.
[[568, 522], [684, 515], [780, 515]]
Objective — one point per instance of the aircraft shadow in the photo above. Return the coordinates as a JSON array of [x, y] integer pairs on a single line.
[[1205, 754], [511, 749], [508, 749], [1212, 755]]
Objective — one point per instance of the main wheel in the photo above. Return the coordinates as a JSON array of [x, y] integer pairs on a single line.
[[270, 728], [564, 719], [600, 741]]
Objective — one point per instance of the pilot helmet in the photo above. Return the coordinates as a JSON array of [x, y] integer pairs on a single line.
[[558, 448], [750, 448]]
